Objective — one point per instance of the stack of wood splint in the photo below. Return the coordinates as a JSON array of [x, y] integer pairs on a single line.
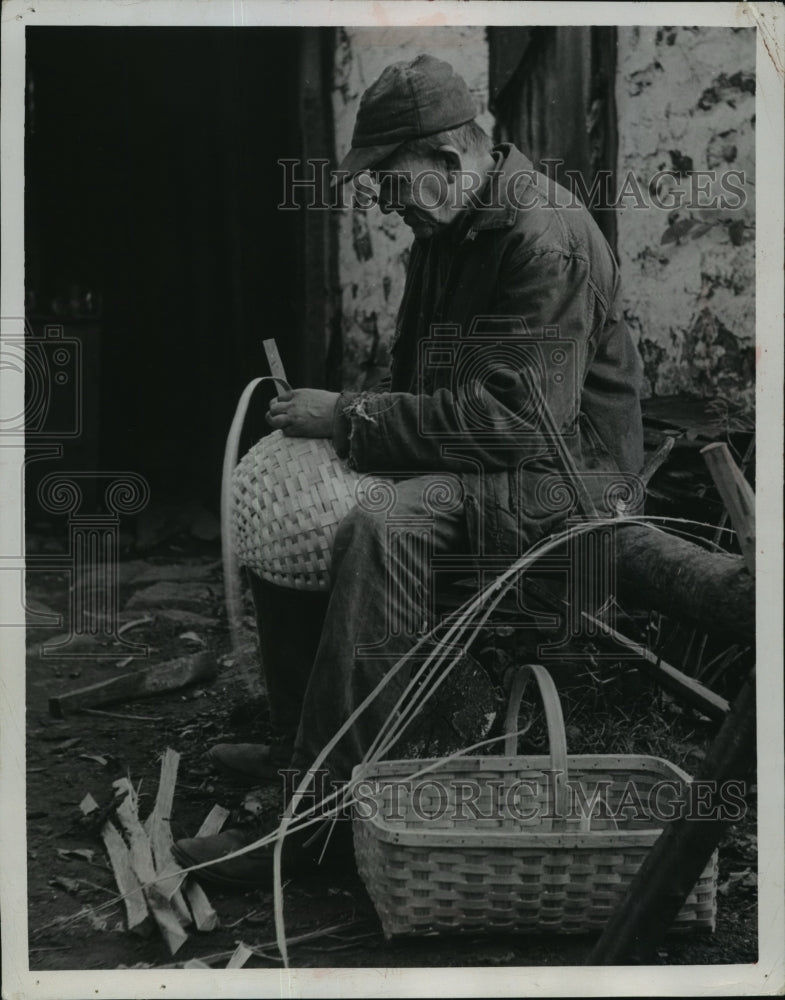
[[154, 889]]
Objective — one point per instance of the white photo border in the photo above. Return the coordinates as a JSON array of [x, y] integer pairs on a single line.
[[767, 976]]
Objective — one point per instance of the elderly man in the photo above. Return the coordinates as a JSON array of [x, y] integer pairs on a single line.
[[511, 369]]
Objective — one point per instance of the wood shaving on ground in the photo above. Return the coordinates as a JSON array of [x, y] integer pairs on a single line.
[[154, 890]]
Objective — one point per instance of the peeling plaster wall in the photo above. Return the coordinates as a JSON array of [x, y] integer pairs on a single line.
[[373, 249], [685, 99]]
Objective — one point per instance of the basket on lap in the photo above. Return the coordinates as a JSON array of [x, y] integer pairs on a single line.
[[282, 503], [289, 496]]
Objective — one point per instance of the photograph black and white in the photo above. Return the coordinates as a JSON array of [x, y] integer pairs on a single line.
[[391, 441]]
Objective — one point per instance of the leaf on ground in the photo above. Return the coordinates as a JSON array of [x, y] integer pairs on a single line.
[[103, 761], [76, 852], [133, 624], [66, 744], [192, 637], [69, 884]]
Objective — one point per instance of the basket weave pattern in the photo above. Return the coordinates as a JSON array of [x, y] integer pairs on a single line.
[[426, 874], [289, 496], [428, 865]]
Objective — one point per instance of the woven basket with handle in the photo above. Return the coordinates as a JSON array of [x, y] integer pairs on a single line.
[[496, 843]]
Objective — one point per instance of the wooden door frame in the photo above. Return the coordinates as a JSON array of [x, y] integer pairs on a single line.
[[317, 272], [512, 52]]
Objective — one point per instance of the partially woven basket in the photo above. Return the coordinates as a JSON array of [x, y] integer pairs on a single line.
[[434, 862], [281, 505], [289, 496]]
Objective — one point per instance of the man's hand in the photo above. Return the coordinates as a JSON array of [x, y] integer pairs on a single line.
[[303, 413]]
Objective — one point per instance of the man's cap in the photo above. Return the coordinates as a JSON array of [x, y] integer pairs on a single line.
[[408, 101]]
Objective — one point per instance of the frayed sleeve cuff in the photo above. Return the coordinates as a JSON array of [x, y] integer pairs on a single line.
[[342, 425]]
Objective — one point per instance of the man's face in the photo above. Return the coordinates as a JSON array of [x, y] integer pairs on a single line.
[[417, 188]]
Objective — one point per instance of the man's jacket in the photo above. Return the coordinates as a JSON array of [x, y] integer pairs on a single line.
[[510, 331]]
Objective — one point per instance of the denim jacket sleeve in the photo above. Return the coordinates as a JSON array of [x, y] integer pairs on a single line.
[[548, 295]]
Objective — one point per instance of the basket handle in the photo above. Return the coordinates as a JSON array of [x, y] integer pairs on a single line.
[[557, 737], [231, 571]]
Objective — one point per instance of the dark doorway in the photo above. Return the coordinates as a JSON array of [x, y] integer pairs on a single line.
[[153, 234], [552, 91]]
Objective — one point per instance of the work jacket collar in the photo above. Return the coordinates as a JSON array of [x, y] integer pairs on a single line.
[[495, 210]]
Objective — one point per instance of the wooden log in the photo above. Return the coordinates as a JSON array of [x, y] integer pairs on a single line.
[[737, 495], [666, 573], [142, 862], [139, 684], [681, 853], [686, 688], [657, 570], [663, 572], [137, 916]]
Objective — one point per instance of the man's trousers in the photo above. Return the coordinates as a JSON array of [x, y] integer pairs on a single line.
[[381, 601]]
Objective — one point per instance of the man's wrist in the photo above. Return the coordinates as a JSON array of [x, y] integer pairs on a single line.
[[342, 424]]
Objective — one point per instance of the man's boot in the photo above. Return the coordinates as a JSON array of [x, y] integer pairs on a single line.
[[313, 849]]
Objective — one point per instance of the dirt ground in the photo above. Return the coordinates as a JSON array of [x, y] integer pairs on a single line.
[[171, 600]]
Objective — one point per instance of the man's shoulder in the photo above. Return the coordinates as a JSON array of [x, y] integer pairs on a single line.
[[543, 215]]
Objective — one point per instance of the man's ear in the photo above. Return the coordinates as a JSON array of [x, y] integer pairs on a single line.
[[452, 160]]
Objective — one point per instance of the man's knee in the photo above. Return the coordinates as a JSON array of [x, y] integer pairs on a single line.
[[361, 526]]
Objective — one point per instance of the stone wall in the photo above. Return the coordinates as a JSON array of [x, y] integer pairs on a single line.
[[373, 248], [686, 103]]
